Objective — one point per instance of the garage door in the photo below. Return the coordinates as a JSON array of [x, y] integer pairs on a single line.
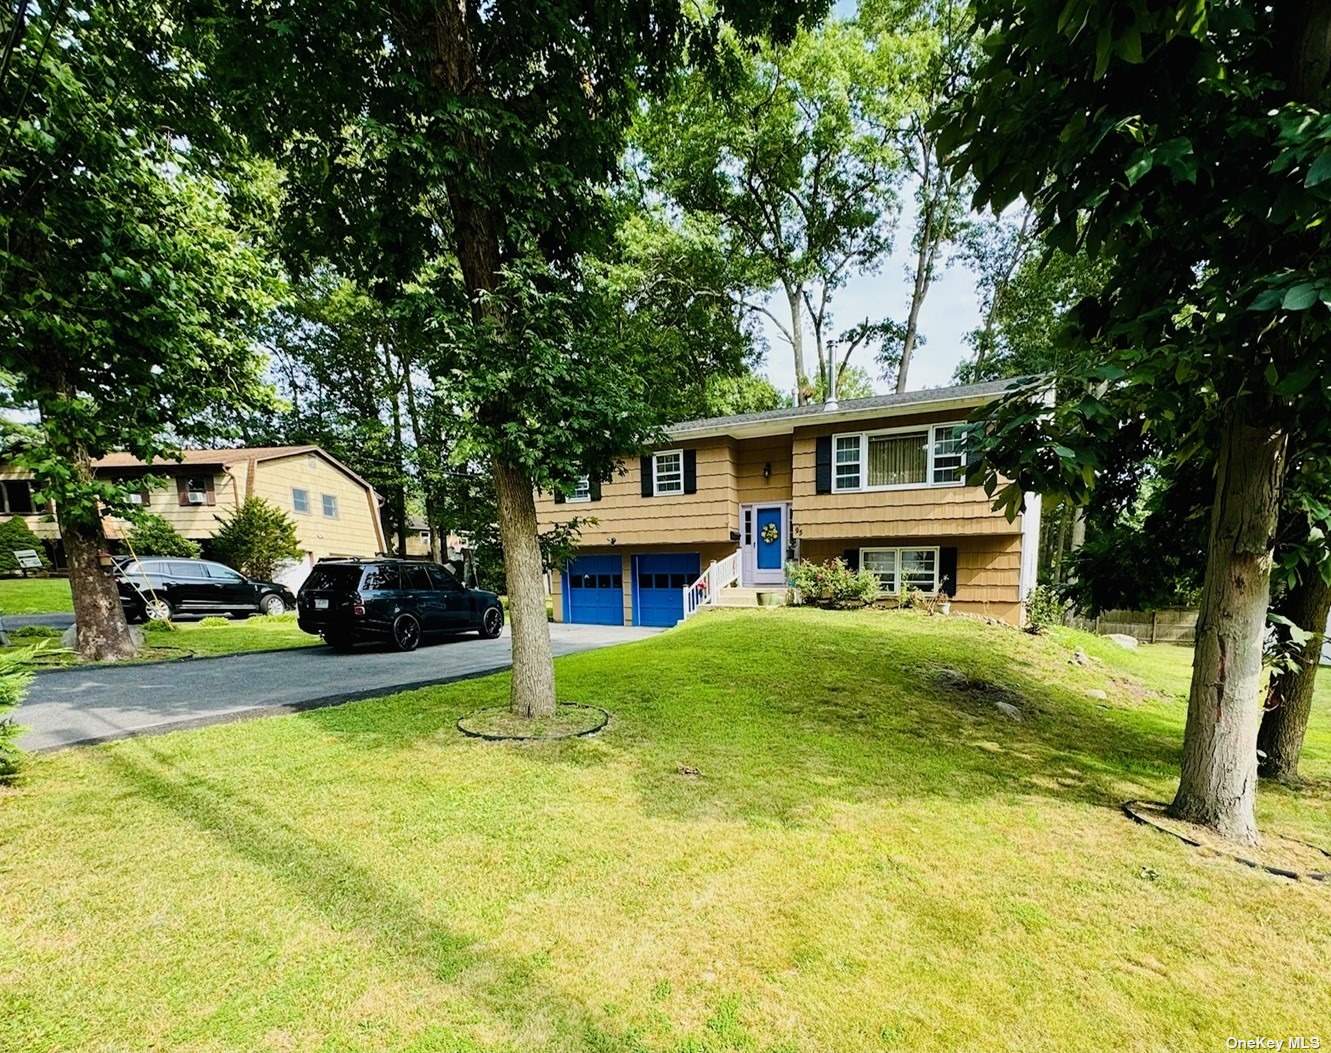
[[594, 590], [658, 584]]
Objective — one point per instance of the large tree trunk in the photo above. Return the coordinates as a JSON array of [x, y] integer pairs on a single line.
[[1289, 701], [533, 685], [103, 635], [476, 239], [1217, 786]]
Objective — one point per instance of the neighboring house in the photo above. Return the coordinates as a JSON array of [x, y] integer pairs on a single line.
[[879, 482], [336, 511], [418, 541]]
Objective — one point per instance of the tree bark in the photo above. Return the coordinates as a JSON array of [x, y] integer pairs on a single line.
[[533, 686], [1217, 785], [102, 633], [1289, 700], [797, 344]]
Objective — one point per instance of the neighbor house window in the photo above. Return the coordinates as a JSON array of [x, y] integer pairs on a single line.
[[330, 506], [582, 489], [899, 568], [300, 500], [16, 497], [668, 472], [901, 457]]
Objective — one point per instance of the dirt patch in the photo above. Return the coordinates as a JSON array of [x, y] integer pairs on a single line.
[[501, 724], [1005, 700]]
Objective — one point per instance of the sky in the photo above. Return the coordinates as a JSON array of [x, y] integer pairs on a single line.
[[950, 311]]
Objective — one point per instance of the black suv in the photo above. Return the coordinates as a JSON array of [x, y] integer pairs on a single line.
[[166, 588], [399, 600]]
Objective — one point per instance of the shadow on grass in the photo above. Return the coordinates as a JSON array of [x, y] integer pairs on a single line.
[[355, 899]]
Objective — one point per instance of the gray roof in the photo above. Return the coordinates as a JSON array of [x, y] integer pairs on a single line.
[[811, 412]]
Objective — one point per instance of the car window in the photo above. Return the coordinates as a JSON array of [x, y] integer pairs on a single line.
[[382, 577], [216, 570], [190, 571], [327, 577], [416, 577], [443, 580], [132, 567]]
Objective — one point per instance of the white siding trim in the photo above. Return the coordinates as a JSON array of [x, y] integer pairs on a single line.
[[1030, 547]]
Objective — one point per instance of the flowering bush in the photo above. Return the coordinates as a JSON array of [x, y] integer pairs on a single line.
[[832, 582]]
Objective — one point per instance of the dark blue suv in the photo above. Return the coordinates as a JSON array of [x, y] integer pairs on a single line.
[[401, 601]]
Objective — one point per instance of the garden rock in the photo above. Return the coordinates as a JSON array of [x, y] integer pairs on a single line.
[[69, 638], [1008, 710], [1095, 692], [1080, 657], [1123, 640]]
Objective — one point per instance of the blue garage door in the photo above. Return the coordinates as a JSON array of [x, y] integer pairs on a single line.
[[658, 587], [594, 590]]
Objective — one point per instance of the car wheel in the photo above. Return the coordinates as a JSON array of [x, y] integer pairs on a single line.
[[273, 605], [406, 632], [492, 622], [156, 609]]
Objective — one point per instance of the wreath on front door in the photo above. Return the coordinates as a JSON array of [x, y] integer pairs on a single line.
[[770, 533]]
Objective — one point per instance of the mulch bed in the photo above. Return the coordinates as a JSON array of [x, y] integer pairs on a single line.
[[501, 724]]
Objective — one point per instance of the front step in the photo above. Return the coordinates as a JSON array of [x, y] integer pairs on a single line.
[[738, 596]]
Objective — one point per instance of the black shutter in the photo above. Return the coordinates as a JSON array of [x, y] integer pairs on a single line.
[[822, 475], [559, 496], [947, 570], [852, 557], [690, 471], [646, 468], [595, 487]]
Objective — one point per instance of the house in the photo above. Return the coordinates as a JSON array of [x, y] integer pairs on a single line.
[[715, 514], [336, 511]]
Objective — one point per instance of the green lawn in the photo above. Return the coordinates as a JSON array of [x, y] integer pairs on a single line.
[[211, 636], [34, 596], [864, 861]]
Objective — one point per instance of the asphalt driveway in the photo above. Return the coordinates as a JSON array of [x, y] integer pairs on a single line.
[[69, 707]]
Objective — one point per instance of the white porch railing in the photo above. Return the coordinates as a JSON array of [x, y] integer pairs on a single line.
[[707, 589]]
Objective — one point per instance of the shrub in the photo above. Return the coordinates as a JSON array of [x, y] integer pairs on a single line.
[[255, 538], [832, 582], [161, 625], [151, 535], [15, 533], [214, 620], [14, 681], [1044, 607]]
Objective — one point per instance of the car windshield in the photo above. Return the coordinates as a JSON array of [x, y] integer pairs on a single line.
[[345, 577]]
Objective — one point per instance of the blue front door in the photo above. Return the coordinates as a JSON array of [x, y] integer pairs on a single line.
[[769, 541], [658, 587], [594, 590]]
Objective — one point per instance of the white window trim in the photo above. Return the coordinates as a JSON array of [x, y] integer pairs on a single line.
[[294, 507], [899, 549], [656, 481], [323, 506], [864, 436], [576, 499]]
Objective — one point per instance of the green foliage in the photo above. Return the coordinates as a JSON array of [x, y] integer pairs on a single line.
[[832, 583], [131, 245], [16, 534], [255, 537], [35, 632], [1044, 607], [746, 392], [161, 625], [214, 621], [15, 678], [853, 383], [152, 535]]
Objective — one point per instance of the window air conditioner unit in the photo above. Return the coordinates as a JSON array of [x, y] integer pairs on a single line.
[[195, 498]]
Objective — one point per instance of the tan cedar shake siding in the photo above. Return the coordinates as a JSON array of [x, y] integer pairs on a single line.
[[915, 512], [751, 456], [625, 515], [988, 567]]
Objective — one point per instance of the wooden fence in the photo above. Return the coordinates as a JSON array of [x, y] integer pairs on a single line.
[[1175, 625]]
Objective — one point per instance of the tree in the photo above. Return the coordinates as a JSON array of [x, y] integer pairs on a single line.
[[1182, 143], [502, 163], [152, 535], [937, 37], [132, 276], [16, 534], [792, 157], [853, 382], [255, 537]]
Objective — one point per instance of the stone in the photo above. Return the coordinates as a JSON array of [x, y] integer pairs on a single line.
[[1095, 692], [69, 638], [1123, 640], [1008, 710], [1080, 657]]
